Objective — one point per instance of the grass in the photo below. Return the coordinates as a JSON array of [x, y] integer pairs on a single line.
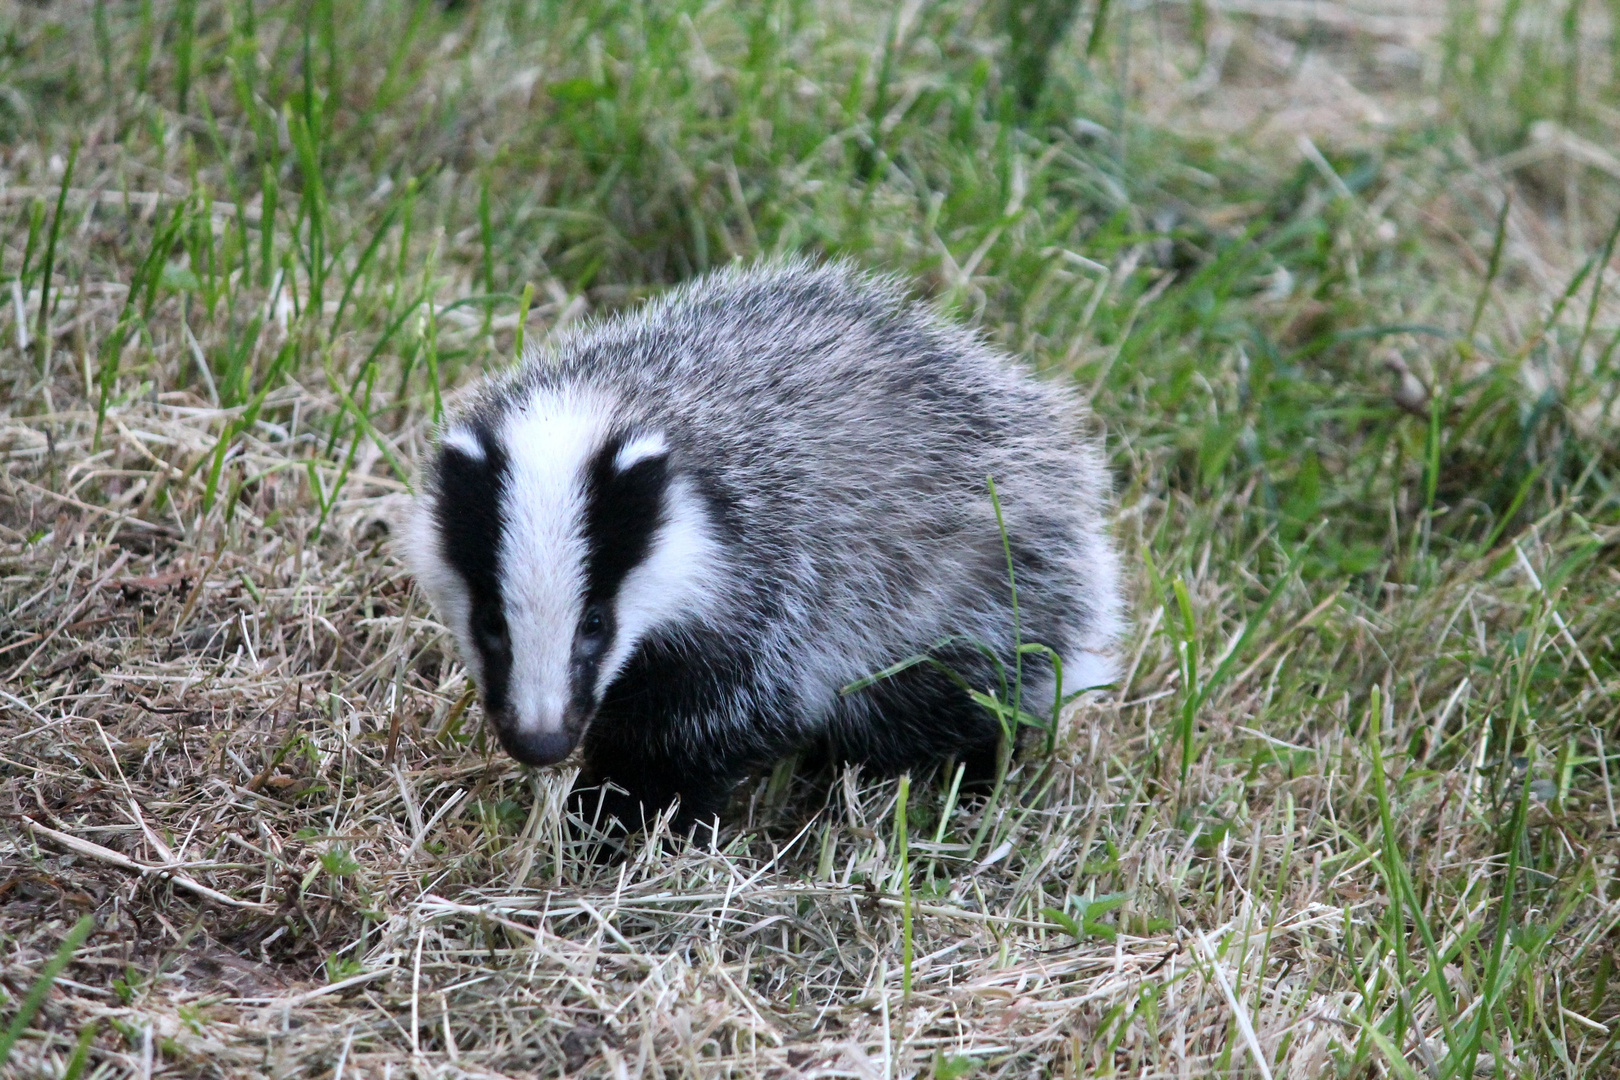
[[1339, 288]]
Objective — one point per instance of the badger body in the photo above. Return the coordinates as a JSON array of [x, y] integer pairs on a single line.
[[679, 536]]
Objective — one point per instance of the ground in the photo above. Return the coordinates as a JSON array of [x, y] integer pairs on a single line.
[[1336, 277]]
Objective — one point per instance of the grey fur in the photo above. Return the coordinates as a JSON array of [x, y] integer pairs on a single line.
[[838, 438]]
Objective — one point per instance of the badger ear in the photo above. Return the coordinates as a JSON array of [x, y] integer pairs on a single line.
[[463, 441], [642, 446]]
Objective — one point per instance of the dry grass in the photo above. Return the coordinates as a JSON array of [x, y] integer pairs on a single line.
[[235, 737]]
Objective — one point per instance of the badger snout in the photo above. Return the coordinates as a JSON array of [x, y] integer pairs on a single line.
[[532, 744], [539, 747]]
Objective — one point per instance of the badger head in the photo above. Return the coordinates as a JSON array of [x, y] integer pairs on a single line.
[[553, 538]]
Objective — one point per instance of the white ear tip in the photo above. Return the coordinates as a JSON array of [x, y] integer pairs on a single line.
[[463, 441], [640, 448]]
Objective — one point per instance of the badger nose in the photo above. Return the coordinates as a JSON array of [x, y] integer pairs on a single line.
[[537, 747]]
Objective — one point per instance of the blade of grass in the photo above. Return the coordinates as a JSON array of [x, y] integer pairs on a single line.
[[185, 16], [1192, 692], [1099, 28], [360, 268], [42, 985], [903, 857], [369, 362], [523, 318], [1597, 291], [146, 279], [433, 364], [43, 334], [1402, 895], [267, 225], [81, 1051], [1492, 268], [36, 226], [362, 421], [1012, 588], [1492, 984], [1197, 695], [312, 203], [1557, 311]]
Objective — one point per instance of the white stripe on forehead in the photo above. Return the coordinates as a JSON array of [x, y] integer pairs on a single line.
[[639, 448], [548, 443], [464, 440]]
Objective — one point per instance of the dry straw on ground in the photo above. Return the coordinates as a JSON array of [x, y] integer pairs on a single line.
[[234, 735]]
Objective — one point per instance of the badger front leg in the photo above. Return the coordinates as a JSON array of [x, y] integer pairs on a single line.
[[626, 784]]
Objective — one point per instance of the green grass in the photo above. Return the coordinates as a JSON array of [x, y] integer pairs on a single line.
[[1360, 405]]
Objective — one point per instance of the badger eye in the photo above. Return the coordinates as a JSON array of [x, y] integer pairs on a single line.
[[491, 628], [593, 634]]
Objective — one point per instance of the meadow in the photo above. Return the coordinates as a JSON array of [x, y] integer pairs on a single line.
[[1337, 277]]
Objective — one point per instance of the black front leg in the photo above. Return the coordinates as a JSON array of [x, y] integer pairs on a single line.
[[649, 737], [623, 788]]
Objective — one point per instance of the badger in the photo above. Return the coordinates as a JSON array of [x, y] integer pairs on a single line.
[[685, 538]]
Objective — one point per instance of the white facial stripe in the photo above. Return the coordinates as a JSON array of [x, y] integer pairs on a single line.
[[640, 448], [462, 439], [542, 557], [675, 580], [548, 446]]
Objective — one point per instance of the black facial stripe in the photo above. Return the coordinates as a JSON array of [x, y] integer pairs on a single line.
[[622, 511], [470, 521]]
